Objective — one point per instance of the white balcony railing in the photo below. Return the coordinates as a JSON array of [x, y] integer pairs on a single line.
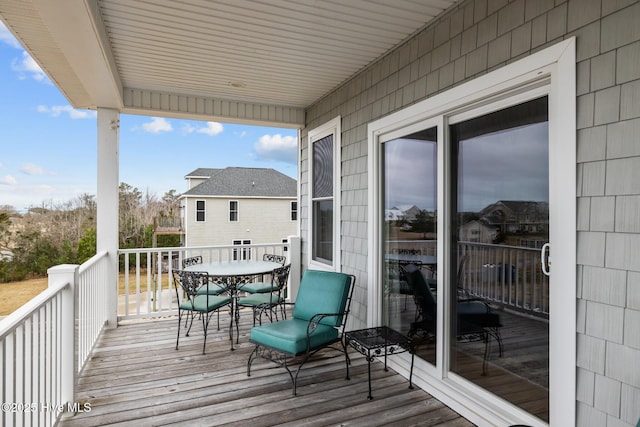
[[145, 278], [38, 343]]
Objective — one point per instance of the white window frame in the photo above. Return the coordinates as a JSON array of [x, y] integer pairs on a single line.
[[554, 70], [204, 210], [241, 250], [292, 210], [332, 127], [237, 211]]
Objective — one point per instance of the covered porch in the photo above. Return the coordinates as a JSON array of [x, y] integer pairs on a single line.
[[356, 78]]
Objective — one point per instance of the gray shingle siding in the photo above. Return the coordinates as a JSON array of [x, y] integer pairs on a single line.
[[469, 40]]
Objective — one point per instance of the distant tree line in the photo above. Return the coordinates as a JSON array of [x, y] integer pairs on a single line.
[[65, 233]]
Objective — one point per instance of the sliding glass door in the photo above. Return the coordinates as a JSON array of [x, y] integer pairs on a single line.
[[496, 208]]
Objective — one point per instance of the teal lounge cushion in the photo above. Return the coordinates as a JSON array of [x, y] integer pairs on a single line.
[[322, 292], [290, 336], [258, 288], [258, 299], [206, 303], [211, 289]]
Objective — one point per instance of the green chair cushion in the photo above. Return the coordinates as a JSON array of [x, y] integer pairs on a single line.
[[290, 336], [258, 288], [211, 289], [322, 292], [259, 299], [206, 303]]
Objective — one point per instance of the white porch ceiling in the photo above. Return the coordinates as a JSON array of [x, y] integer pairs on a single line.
[[233, 60]]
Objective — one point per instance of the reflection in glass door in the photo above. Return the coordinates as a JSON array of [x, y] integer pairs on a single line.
[[500, 216], [410, 238]]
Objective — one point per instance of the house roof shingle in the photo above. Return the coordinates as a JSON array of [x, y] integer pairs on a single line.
[[243, 182]]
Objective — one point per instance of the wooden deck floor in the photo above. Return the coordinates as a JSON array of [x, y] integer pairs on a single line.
[[136, 377]]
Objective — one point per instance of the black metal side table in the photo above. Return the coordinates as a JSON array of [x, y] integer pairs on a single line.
[[380, 341]]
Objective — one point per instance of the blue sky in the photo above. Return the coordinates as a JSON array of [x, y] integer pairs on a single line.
[[48, 149]]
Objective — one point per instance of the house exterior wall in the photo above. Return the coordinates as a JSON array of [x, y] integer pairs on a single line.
[[259, 220], [477, 36]]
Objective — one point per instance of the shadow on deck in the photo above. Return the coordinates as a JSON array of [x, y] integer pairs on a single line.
[[136, 377]]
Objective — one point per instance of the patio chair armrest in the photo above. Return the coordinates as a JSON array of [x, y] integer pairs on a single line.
[[316, 319]]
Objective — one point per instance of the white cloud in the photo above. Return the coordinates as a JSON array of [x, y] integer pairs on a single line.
[[7, 38], [31, 169], [157, 125], [278, 147], [27, 67], [8, 180], [212, 129], [57, 110]]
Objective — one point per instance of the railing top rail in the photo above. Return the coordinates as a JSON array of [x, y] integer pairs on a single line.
[[17, 318], [493, 245], [91, 261], [195, 248]]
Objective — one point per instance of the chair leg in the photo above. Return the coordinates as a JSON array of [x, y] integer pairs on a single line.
[[347, 360], [179, 322], [190, 315], [205, 326], [252, 356]]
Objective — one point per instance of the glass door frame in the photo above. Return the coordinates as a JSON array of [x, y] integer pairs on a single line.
[[549, 72]]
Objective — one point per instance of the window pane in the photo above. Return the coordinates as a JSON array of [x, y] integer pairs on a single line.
[[200, 212], [233, 211], [323, 167], [323, 231], [410, 234], [501, 214]]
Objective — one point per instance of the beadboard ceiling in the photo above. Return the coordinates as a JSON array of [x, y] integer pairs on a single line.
[[282, 53]]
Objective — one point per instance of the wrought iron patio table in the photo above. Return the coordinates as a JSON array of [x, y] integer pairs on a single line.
[[232, 275], [380, 341]]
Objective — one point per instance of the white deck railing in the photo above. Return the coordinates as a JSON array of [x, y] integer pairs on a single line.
[[145, 280], [91, 292], [40, 353]]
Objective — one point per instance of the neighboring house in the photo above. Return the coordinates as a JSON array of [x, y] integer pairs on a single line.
[[239, 206], [478, 231], [517, 216], [405, 212]]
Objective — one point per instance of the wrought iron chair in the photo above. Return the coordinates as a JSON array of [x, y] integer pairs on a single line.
[[264, 287], [317, 322], [190, 302], [268, 303], [187, 262], [475, 320]]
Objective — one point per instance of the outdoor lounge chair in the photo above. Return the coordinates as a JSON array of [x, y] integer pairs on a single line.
[[318, 320], [476, 321], [268, 303], [262, 286], [191, 302]]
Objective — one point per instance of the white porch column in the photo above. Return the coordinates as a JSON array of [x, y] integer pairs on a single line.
[[107, 202]]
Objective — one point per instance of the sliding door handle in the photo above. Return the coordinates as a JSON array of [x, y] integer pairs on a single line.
[[545, 259]]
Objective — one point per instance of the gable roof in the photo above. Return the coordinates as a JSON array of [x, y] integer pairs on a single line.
[[243, 182], [203, 173]]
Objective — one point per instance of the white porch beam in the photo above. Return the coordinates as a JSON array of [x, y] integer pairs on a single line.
[[107, 201]]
